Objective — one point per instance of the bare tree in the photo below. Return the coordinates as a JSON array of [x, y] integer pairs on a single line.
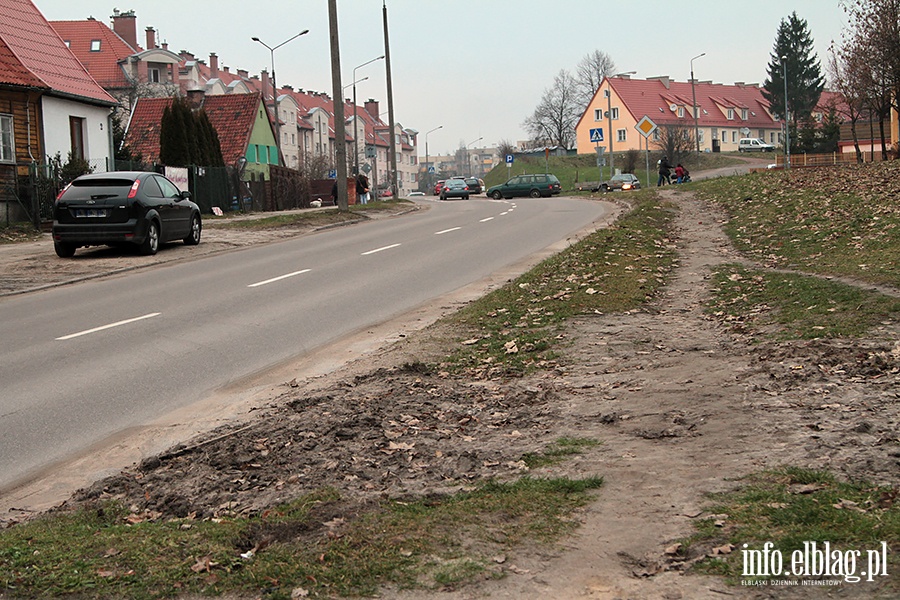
[[554, 119], [590, 72], [676, 142], [505, 147], [846, 67]]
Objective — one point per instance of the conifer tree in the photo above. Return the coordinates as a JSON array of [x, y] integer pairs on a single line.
[[794, 49]]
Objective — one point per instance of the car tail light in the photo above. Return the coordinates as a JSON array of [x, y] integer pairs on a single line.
[[134, 188], [62, 191]]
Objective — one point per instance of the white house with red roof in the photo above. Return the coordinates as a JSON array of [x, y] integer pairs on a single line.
[[115, 59], [49, 103]]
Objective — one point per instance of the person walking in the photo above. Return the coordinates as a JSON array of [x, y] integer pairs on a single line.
[[679, 173], [665, 170], [362, 188]]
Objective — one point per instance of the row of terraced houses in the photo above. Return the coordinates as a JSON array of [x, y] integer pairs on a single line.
[[61, 83]]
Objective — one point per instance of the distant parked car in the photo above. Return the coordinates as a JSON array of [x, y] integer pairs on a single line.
[[123, 207], [476, 186], [754, 145], [621, 183], [536, 186], [416, 194], [455, 188]]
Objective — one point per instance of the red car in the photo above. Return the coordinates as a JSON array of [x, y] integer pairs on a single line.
[[437, 187]]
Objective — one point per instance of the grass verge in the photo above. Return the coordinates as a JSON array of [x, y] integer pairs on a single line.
[[841, 221], [793, 508], [513, 330], [793, 306], [310, 218], [438, 541]]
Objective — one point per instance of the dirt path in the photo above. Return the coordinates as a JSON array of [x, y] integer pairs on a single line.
[[684, 409]]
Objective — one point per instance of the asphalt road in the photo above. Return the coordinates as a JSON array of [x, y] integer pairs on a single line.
[[82, 363]]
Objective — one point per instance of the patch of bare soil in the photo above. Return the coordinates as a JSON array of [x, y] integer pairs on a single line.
[[682, 407]]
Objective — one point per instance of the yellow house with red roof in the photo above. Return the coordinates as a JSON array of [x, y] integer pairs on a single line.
[[724, 113]]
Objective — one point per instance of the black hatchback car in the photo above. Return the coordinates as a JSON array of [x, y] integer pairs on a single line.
[[123, 207]]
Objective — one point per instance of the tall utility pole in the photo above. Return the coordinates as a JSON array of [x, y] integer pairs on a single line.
[[340, 136], [395, 187], [694, 108]]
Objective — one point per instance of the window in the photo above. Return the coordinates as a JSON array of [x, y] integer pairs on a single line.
[[700, 136], [615, 112], [680, 112], [251, 153], [95, 45], [76, 134], [734, 137], [598, 114], [7, 150], [744, 114], [730, 114], [153, 75], [620, 135]]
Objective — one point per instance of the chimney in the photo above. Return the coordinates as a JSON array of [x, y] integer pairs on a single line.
[[243, 74], [226, 69], [165, 45], [125, 26], [213, 65], [187, 56], [663, 79], [266, 82], [195, 98], [372, 108], [151, 38]]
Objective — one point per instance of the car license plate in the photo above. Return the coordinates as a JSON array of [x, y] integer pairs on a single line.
[[90, 212]]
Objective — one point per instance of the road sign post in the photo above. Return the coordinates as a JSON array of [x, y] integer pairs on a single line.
[[646, 127], [597, 137]]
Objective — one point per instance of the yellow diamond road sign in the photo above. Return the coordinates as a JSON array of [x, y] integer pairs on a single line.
[[645, 126]]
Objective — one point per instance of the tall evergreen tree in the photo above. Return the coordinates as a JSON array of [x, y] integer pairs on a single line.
[[188, 138], [805, 82]]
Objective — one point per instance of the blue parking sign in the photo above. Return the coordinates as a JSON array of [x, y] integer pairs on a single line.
[[509, 159]]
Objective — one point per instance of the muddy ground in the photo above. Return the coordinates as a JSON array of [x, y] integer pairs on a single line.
[[682, 404]]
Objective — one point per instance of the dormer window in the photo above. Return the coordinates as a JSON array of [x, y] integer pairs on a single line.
[[730, 114], [680, 112], [744, 112], [95, 45]]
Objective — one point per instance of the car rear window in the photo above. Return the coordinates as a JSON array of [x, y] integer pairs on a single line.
[[87, 189]]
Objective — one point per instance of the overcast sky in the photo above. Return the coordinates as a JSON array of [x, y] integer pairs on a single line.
[[476, 67]]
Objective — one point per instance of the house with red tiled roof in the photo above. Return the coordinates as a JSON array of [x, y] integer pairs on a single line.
[[240, 120], [49, 103], [116, 61], [725, 113]]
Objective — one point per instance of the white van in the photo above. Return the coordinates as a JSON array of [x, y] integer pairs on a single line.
[[754, 145]]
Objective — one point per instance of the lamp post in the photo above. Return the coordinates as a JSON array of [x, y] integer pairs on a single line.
[[355, 125], [694, 108], [787, 125], [427, 168], [467, 151], [275, 87], [609, 117]]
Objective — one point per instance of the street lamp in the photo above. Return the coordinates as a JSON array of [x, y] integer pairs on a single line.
[[609, 117], [354, 83], [694, 108], [467, 151], [274, 87], [427, 171], [787, 125], [355, 124]]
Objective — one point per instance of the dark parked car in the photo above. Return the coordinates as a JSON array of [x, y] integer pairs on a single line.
[[536, 186], [476, 186], [123, 207], [454, 188], [620, 183]]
